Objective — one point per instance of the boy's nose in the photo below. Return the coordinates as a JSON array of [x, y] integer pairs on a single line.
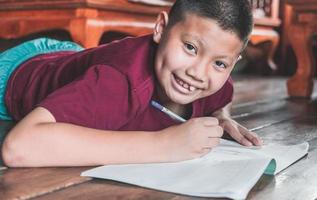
[[198, 72]]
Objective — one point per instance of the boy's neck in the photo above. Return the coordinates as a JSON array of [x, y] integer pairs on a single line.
[[184, 111]]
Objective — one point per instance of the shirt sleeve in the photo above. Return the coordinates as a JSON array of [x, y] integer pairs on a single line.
[[99, 99]]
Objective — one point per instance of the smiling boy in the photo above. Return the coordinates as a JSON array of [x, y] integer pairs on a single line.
[[93, 107]]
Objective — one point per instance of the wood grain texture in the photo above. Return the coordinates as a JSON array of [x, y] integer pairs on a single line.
[[299, 181], [273, 112], [102, 189], [250, 90], [25, 183]]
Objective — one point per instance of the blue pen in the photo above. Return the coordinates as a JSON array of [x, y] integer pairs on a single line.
[[167, 111]]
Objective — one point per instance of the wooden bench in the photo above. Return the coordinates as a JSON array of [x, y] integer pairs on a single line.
[[301, 18], [85, 20]]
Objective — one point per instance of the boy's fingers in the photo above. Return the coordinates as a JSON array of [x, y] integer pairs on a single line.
[[244, 141], [251, 136], [243, 135], [235, 134], [255, 139]]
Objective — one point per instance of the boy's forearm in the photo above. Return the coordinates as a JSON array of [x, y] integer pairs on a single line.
[[60, 144]]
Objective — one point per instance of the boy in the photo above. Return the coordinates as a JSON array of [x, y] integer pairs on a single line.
[[93, 107]]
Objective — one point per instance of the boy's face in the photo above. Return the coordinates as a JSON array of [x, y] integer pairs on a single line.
[[194, 57]]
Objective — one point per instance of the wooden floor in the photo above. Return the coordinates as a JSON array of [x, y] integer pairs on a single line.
[[260, 103]]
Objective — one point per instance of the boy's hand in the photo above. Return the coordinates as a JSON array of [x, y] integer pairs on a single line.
[[192, 139], [240, 133], [234, 129]]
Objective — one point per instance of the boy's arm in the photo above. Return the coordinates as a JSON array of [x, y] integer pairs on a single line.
[[39, 141], [69, 145], [234, 129]]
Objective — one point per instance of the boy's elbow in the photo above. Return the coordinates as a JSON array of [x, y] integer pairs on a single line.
[[12, 153], [18, 149]]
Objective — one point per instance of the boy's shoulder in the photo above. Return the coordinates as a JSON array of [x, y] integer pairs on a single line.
[[131, 56], [128, 52]]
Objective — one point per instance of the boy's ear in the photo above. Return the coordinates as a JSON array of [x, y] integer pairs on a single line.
[[160, 25]]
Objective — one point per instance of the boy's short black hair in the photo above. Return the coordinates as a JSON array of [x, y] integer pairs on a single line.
[[231, 15]]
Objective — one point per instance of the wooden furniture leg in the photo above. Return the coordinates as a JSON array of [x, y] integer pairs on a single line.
[[259, 36], [301, 84], [85, 33], [84, 29]]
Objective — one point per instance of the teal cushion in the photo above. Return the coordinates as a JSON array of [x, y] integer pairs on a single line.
[[12, 58]]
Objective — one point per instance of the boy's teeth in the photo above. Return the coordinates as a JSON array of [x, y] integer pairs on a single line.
[[185, 85]]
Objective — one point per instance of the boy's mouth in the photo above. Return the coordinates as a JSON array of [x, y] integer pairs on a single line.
[[184, 84]]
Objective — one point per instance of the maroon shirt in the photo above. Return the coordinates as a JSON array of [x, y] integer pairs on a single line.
[[108, 87]]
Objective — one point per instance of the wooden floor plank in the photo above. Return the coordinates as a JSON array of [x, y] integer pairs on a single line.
[[25, 183], [296, 182], [259, 107], [257, 89], [291, 132], [267, 114], [299, 181], [249, 90], [260, 120], [295, 106], [103, 189]]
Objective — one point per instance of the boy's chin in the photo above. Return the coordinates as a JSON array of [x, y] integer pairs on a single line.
[[182, 101]]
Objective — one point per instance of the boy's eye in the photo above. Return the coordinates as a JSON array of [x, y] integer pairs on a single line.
[[221, 65], [191, 48]]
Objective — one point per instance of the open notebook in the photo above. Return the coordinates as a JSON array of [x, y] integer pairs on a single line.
[[229, 170]]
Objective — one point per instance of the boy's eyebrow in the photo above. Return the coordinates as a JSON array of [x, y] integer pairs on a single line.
[[224, 57]]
